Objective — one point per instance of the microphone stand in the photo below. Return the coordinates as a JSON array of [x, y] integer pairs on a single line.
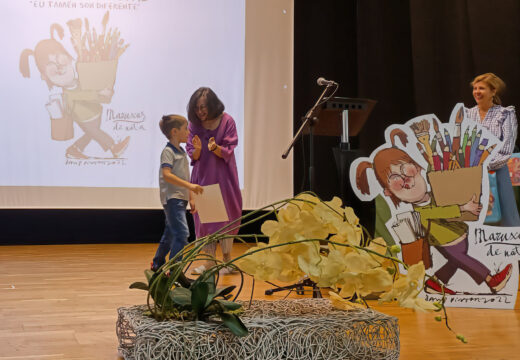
[[311, 120]]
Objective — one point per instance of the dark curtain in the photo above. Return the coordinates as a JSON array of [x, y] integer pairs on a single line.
[[324, 45], [413, 57], [453, 41]]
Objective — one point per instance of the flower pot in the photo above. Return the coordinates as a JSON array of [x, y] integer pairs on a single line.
[[288, 329]]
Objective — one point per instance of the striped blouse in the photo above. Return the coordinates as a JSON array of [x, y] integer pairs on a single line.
[[501, 122]]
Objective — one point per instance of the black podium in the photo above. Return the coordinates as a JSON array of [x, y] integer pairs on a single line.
[[344, 117]]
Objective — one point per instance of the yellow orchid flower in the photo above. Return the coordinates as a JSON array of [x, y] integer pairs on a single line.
[[330, 212], [270, 227], [378, 245], [339, 303], [407, 288], [312, 227], [373, 281], [291, 271], [336, 204], [309, 251], [331, 269], [350, 232], [289, 214], [350, 268], [264, 265], [309, 203], [342, 240], [310, 268], [418, 304], [351, 216], [359, 261], [350, 283], [376, 280]]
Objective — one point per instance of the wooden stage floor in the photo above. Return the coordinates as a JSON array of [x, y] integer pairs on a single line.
[[60, 302]]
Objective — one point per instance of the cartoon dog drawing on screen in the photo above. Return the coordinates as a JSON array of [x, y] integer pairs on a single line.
[[433, 180]]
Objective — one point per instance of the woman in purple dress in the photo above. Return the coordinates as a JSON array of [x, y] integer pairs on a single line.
[[211, 144]]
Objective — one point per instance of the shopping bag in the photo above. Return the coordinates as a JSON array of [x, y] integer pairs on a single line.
[[62, 127], [416, 251], [494, 214]]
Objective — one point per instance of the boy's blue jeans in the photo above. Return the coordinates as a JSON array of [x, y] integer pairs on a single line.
[[176, 231]]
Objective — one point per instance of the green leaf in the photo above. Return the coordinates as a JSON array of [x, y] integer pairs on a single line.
[[208, 278], [181, 296], [149, 274], [180, 278], [199, 295], [229, 305], [209, 299], [213, 294], [160, 291], [139, 285], [233, 323], [171, 281], [225, 291]]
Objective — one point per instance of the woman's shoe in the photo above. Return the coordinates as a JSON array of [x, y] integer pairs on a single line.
[[198, 270], [228, 270]]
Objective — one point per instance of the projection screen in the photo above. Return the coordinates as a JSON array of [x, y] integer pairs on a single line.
[[84, 84]]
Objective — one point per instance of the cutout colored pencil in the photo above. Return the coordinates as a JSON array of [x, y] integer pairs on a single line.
[[456, 138], [486, 153]]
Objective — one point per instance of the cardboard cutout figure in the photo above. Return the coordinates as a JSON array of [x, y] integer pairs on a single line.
[[434, 179]]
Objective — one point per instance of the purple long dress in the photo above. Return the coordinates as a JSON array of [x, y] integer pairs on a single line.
[[210, 169]]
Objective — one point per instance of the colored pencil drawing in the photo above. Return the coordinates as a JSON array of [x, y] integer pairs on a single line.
[[433, 177], [79, 86]]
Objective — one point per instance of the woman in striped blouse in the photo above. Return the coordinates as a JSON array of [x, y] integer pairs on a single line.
[[501, 121]]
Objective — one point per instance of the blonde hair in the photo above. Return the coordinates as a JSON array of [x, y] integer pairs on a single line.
[[494, 82]]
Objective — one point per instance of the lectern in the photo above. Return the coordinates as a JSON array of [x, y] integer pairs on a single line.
[[345, 117]]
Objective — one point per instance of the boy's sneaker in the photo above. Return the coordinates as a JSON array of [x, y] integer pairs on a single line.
[[154, 268], [499, 280], [432, 287]]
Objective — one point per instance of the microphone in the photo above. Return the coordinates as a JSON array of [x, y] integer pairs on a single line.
[[321, 81]]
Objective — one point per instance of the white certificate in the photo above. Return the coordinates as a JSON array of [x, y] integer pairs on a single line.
[[210, 205]]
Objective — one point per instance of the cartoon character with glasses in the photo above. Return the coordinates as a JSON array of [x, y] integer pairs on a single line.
[[57, 69], [402, 181]]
